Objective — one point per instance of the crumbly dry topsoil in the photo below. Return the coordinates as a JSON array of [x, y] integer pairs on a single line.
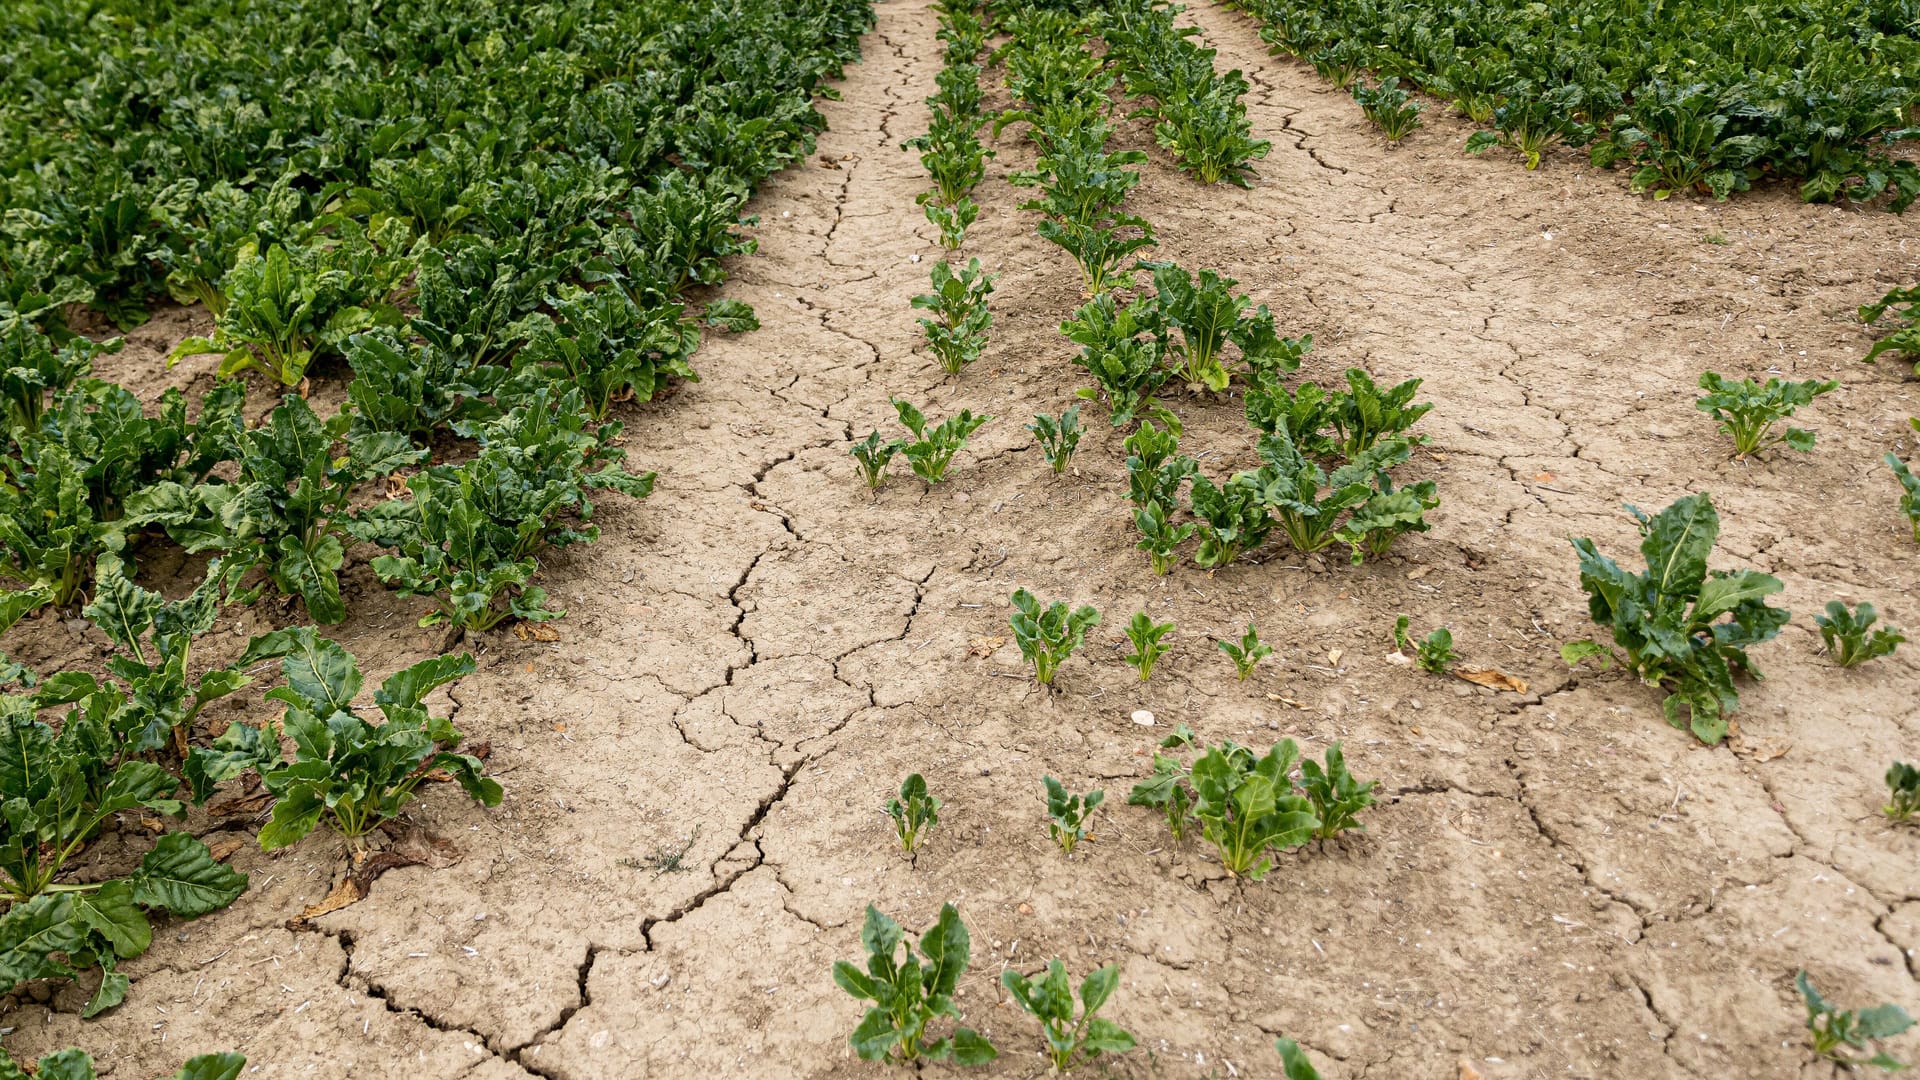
[[1556, 883]]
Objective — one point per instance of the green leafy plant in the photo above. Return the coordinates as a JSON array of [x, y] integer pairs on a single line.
[[1336, 796], [1166, 790], [1315, 509], [1154, 471], [1669, 620], [959, 301], [59, 789], [1050, 1000], [1903, 792], [288, 506], [1246, 805], [1909, 492], [33, 367], [608, 346], [1160, 539], [1233, 518], [1082, 186], [1845, 1035], [1433, 653], [76, 1064], [354, 774], [1849, 635], [1365, 414], [1208, 315], [1303, 414], [952, 221], [470, 537], [1388, 514], [908, 994], [1068, 813], [417, 388], [873, 456], [1059, 437], [1293, 1060], [1048, 636], [1748, 411], [914, 813], [1904, 342], [1207, 131], [1145, 634], [1249, 651], [931, 452], [1530, 121], [154, 637], [282, 311], [1121, 346], [1389, 107]]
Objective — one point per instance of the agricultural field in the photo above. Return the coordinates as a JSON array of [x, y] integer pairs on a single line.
[[567, 540]]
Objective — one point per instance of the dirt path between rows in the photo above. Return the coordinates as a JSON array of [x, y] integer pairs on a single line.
[[1556, 883]]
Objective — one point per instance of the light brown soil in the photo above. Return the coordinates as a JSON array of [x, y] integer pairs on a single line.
[[1556, 883]]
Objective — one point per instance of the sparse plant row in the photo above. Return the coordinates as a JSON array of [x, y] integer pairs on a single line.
[[951, 150], [1768, 98], [1198, 115]]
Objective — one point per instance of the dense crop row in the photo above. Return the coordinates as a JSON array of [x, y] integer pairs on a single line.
[[493, 214], [1714, 95]]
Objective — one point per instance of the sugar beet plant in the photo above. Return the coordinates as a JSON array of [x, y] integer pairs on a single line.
[[1245, 653], [931, 450], [1068, 813], [1850, 636], [1058, 437], [1433, 653], [1748, 411], [1849, 1036], [470, 537], [913, 813], [1246, 803], [1903, 792], [957, 332], [1123, 347], [1047, 636], [1207, 316], [1146, 637], [1391, 108], [908, 992], [1680, 626], [1901, 310], [1070, 1040], [352, 774]]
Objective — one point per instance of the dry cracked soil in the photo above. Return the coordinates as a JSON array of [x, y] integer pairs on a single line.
[[1555, 883]]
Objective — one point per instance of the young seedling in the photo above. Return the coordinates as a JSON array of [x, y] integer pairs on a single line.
[[907, 993], [1849, 636], [1903, 792], [1748, 411], [1145, 635], [1293, 1060], [1845, 1036], [1433, 653], [931, 452], [1068, 813], [1050, 1000], [914, 813], [1903, 304], [1336, 796], [873, 456], [1389, 107], [1909, 493], [1166, 789], [1059, 437], [1047, 637], [1669, 619], [952, 221], [958, 332], [1247, 653], [1161, 539]]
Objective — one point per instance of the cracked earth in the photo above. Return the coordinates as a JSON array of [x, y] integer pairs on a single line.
[[1559, 884]]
